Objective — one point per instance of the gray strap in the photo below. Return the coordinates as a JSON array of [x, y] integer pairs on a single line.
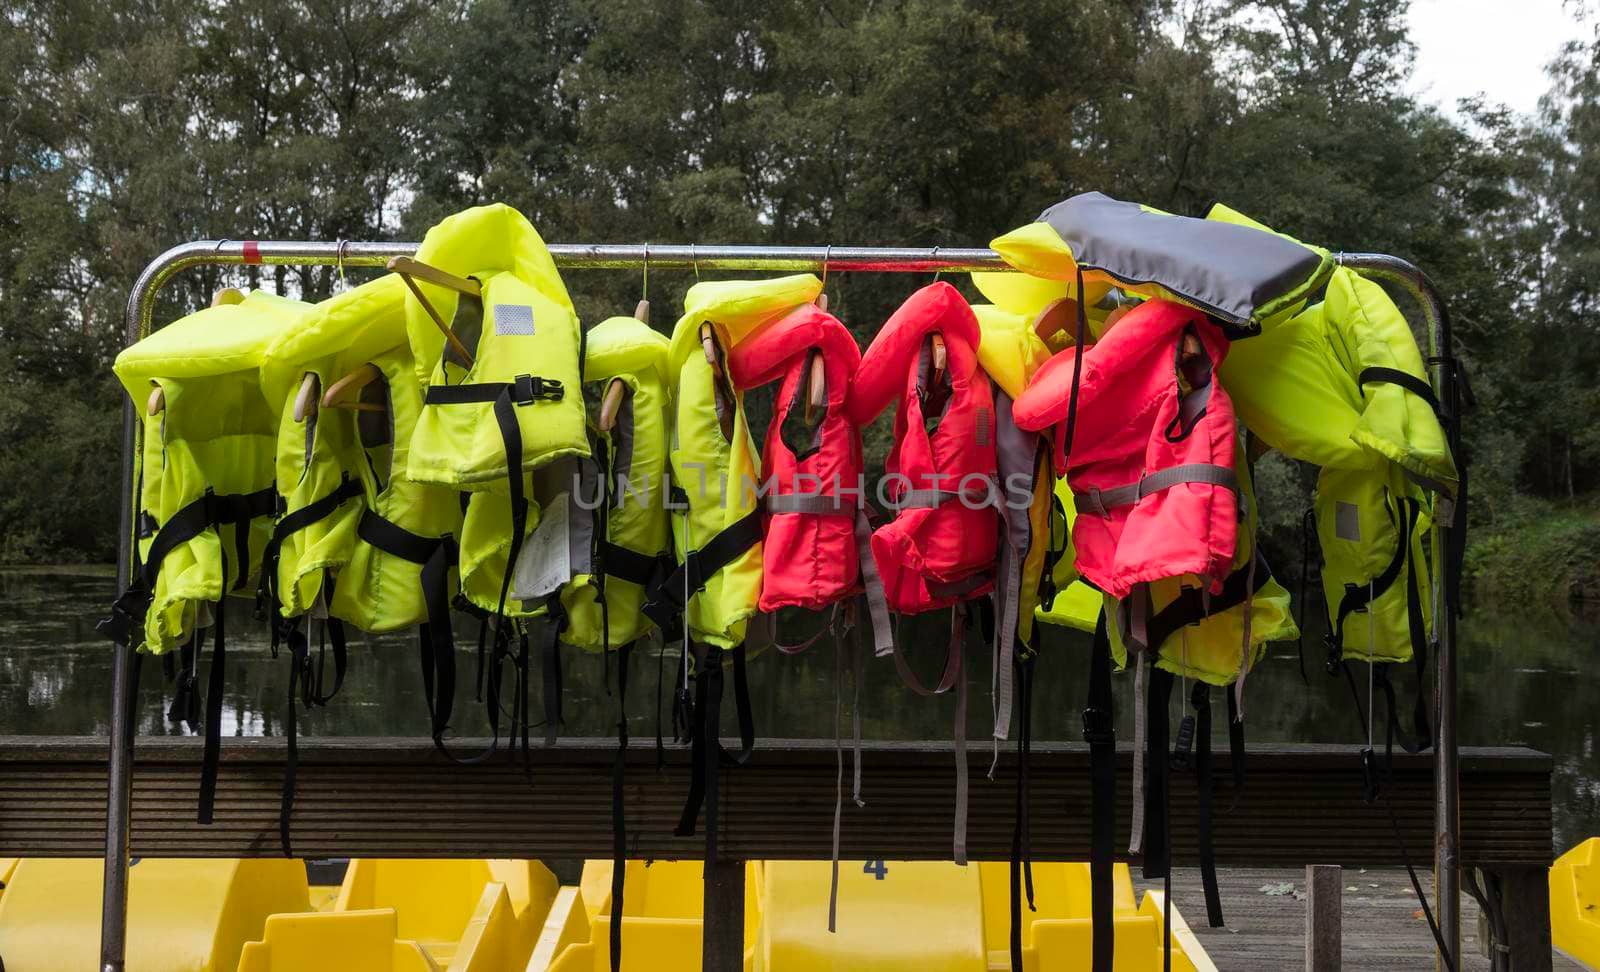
[[858, 650], [1141, 671], [1008, 595], [833, 617], [872, 585], [1101, 502], [815, 504], [1244, 651], [952, 663], [926, 498]]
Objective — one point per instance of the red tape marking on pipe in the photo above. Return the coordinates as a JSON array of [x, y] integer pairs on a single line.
[[252, 251]]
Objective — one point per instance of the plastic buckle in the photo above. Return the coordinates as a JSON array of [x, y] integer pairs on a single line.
[[527, 389], [1334, 662], [1097, 726], [127, 612]]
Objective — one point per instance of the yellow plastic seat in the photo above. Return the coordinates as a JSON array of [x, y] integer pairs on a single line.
[[661, 922], [469, 916], [1575, 903], [184, 915], [894, 915], [1060, 934], [350, 941]]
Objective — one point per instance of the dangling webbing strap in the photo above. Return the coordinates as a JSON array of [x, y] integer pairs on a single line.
[[1236, 754], [435, 555], [305, 688], [707, 753], [619, 823], [1021, 830], [1158, 764], [1100, 732], [216, 683], [1200, 700], [1101, 502], [185, 706]]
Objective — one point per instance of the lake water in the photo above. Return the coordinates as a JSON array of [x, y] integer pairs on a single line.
[[1530, 679]]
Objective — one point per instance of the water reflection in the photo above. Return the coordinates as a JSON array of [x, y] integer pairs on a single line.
[[1523, 680]]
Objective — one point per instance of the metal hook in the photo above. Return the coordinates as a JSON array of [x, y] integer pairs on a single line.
[[644, 288], [694, 261], [827, 253], [937, 271], [338, 260]]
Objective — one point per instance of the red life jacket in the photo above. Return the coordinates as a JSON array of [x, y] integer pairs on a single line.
[[813, 468], [940, 548], [1151, 468]]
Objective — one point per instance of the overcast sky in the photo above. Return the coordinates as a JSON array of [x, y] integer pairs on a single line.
[[1497, 47]]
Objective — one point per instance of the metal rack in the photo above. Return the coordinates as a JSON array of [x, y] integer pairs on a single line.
[[843, 259]]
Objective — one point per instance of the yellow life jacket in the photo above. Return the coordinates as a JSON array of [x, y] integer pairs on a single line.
[[205, 476], [617, 518], [716, 521], [206, 495], [343, 471], [492, 419], [716, 464], [1341, 384]]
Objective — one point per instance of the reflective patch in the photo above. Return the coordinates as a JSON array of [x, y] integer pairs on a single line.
[[1347, 522], [514, 319], [984, 423]]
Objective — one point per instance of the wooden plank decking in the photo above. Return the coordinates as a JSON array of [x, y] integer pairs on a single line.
[[1266, 933]]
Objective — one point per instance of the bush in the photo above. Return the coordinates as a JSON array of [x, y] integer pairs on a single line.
[[60, 471]]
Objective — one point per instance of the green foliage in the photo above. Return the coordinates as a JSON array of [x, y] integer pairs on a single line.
[[1542, 552], [131, 126]]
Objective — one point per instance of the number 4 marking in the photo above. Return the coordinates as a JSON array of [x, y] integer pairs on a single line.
[[875, 868]]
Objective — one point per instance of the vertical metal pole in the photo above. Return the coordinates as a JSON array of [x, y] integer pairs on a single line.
[[1447, 756], [119, 776], [722, 918]]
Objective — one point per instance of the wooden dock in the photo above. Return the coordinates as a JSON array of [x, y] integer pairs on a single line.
[[1382, 929]]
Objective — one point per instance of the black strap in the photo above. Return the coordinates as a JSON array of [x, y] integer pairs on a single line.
[[625, 564], [1200, 699], [523, 390], [551, 658], [185, 706], [1236, 752], [298, 661], [210, 510], [1421, 725], [707, 754], [267, 600], [1158, 768], [1021, 837], [619, 823], [215, 684], [1099, 731], [699, 565], [1358, 597], [1411, 383], [1190, 607]]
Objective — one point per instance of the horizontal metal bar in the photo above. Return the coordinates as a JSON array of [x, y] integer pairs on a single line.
[[568, 256]]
